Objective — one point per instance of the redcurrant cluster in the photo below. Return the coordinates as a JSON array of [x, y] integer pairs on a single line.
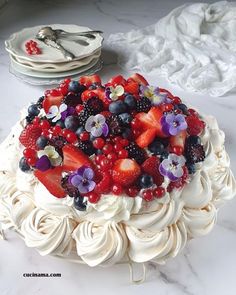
[[32, 48]]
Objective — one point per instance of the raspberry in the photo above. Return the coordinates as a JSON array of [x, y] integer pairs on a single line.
[[71, 190], [29, 136], [195, 125], [103, 186]]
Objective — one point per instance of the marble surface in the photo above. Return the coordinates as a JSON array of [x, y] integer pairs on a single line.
[[207, 265]]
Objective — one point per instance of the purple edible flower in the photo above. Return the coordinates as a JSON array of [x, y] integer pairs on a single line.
[[68, 112], [172, 124], [153, 93], [43, 163], [83, 179], [172, 167], [97, 125]]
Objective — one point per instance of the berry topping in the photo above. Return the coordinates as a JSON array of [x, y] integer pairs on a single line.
[[194, 153], [23, 165], [136, 153], [151, 167], [195, 125], [89, 80], [145, 181], [143, 105], [30, 135], [125, 172]]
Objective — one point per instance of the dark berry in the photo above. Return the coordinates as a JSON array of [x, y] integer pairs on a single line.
[[83, 116], [33, 110], [156, 147], [29, 119], [40, 102], [182, 107], [58, 142], [127, 133], [193, 139], [164, 155], [194, 153], [72, 123], [86, 147], [74, 86], [79, 131], [126, 119], [23, 165], [60, 123], [145, 181], [143, 105], [79, 203], [41, 142], [71, 190], [130, 101], [72, 99], [136, 153], [94, 105], [117, 107], [191, 168], [115, 125]]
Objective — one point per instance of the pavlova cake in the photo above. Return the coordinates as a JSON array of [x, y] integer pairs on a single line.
[[104, 174]]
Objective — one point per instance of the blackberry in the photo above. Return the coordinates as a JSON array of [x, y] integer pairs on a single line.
[[83, 117], [115, 125], [79, 203], [136, 152], [72, 99], [194, 153], [40, 102], [94, 105], [86, 147], [143, 105], [29, 119], [71, 190]]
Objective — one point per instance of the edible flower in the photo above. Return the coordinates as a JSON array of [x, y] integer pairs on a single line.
[[97, 125], [55, 112], [83, 179], [114, 93], [51, 153], [153, 93], [172, 167], [172, 124]]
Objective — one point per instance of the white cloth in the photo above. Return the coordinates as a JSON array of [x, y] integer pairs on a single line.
[[194, 47]]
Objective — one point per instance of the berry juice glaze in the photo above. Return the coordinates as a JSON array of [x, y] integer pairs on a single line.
[[126, 137]]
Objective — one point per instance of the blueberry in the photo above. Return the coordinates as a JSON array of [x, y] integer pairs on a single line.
[[191, 168], [60, 123], [94, 86], [73, 86], [156, 147], [79, 203], [126, 118], [130, 101], [23, 165], [127, 133], [182, 107], [91, 137], [145, 181], [99, 152], [193, 140], [72, 123], [41, 142], [33, 110], [117, 107], [79, 130], [164, 155]]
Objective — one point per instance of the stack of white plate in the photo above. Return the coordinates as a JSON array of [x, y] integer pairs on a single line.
[[51, 66]]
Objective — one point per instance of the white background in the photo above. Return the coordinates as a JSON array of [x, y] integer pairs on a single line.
[[207, 265]]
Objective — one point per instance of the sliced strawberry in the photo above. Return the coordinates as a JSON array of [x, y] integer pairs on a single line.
[[125, 172], [99, 92], [50, 101], [51, 179], [89, 80], [151, 167], [74, 158], [146, 137], [117, 80], [178, 140], [132, 87], [29, 136], [139, 79], [151, 120]]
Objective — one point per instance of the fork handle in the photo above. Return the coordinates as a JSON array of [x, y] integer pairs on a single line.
[[53, 43]]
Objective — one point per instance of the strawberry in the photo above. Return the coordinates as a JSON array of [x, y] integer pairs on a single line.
[[151, 167], [125, 172], [146, 137], [89, 80], [132, 87], [50, 101], [104, 183], [178, 141], [139, 79], [195, 125], [74, 158], [99, 92], [29, 136], [51, 179], [152, 119], [117, 80]]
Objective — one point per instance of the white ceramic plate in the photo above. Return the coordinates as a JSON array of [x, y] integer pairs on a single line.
[[57, 67], [15, 45]]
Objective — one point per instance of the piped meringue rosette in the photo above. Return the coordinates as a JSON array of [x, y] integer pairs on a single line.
[[111, 173]]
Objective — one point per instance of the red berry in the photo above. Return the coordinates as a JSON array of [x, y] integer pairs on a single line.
[[118, 147], [132, 191], [63, 89], [103, 186], [148, 195], [117, 139], [71, 137], [176, 100], [45, 133], [106, 114], [84, 136], [178, 150], [99, 143], [65, 132], [124, 142], [79, 108], [56, 130], [117, 189], [192, 112], [135, 124], [29, 153], [36, 121], [55, 92], [93, 197], [195, 125], [168, 107], [67, 81], [106, 164], [122, 154], [32, 161], [112, 156], [99, 158], [108, 148], [159, 192], [44, 124]]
